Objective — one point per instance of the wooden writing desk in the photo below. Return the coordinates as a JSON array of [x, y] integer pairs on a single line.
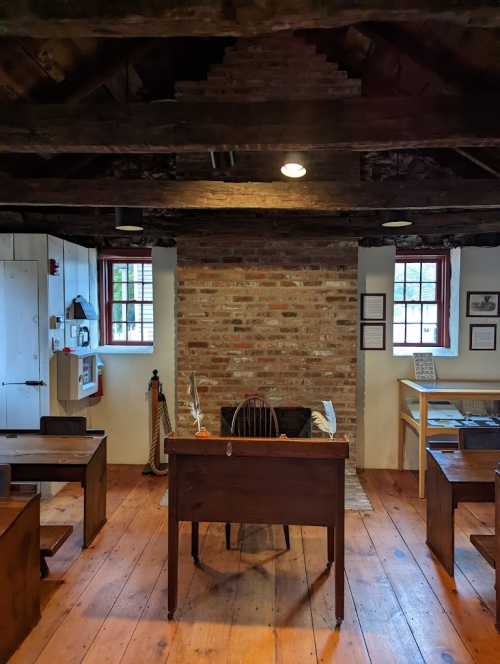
[[441, 390], [455, 476], [19, 570], [35, 458], [257, 480]]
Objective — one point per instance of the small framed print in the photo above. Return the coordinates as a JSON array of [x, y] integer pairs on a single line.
[[483, 304], [372, 336], [483, 337], [373, 306]]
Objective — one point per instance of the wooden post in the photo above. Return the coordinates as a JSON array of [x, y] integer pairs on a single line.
[[155, 415]]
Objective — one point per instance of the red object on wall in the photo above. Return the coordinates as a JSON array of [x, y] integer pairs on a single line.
[[100, 386], [53, 267]]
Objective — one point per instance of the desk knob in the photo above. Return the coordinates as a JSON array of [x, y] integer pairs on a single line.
[[229, 449]]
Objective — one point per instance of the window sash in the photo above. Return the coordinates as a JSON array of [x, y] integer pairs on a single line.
[[441, 299], [107, 283]]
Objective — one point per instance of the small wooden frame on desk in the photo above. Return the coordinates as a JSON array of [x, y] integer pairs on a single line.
[[372, 336]]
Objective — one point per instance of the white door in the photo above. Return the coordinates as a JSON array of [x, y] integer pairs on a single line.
[[19, 345]]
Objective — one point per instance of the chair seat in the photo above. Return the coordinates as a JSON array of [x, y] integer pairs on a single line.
[[485, 544], [52, 538]]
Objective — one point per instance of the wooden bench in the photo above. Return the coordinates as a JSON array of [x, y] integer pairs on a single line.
[[51, 540], [51, 537], [489, 545]]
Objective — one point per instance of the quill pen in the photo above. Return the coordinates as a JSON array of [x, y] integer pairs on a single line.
[[195, 401], [328, 421]]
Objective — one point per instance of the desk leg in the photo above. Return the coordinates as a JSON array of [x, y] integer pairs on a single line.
[[330, 533], [173, 537], [195, 541], [401, 429], [440, 526], [339, 544], [422, 441], [94, 488]]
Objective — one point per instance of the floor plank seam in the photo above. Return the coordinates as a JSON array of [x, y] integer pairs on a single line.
[[118, 595], [450, 618], [396, 597], [89, 580], [309, 593], [348, 584]]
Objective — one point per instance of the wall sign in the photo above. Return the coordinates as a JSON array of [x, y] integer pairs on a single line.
[[483, 337], [483, 304], [372, 336], [373, 306]]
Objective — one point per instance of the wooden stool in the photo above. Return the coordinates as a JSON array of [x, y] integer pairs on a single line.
[[51, 540]]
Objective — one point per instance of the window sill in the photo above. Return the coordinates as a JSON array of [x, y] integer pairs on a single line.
[[125, 350], [407, 351]]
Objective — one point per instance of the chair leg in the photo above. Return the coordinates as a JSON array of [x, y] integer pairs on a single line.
[[286, 531], [228, 536], [44, 568]]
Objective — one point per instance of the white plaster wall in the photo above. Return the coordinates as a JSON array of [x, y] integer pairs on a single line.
[[379, 370], [124, 409]]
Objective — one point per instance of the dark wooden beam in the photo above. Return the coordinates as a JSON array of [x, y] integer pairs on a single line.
[[324, 197], [208, 223], [167, 18], [357, 124]]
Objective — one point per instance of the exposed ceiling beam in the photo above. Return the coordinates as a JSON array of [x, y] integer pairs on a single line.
[[167, 18], [324, 197], [345, 124], [176, 224]]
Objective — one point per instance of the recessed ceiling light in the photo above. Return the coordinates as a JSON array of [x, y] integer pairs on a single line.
[[293, 170], [128, 219], [397, 223], [129, 228]]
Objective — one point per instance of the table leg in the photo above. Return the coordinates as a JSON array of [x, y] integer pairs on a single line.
[[401, 429], [173, 555], [440, 526], [94, 488], [330, 533], [339, 544], [173, 537], [195, 541], [422, 442]]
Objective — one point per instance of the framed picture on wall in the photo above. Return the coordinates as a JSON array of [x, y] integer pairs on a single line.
[[373, 306], [483, 304], [483, 337], [372, 336]]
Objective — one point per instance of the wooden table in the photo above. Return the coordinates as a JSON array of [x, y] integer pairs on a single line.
[[35, 458], [19, 570], [257, 480], [425, 392], [455, 476]]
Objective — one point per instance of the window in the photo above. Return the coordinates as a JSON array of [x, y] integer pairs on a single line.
[[421, 299], [126, 298]]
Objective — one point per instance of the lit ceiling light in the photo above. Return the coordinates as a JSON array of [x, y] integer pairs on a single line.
[[397, 223], [293, 166], [129, 227], [128, 219], [293, 170]]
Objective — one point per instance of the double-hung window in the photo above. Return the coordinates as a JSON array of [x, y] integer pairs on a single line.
[[126, 298], [421, 299]]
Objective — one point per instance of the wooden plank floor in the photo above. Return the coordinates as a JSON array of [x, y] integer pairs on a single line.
[[258, 603]]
